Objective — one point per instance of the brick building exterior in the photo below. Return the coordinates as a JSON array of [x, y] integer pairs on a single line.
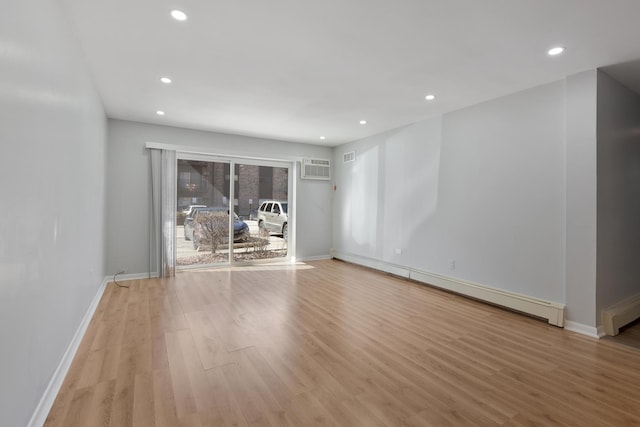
[[207, 183]]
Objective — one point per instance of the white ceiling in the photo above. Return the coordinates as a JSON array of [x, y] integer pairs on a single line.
[[296, 69]]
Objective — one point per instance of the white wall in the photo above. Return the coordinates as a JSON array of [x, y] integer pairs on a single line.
[[129, 188], [618, 271], [483, 186], [52, 131], [581, 203]]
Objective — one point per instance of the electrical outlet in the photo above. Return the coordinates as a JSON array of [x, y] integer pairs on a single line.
[[398, 251], [452, 264]]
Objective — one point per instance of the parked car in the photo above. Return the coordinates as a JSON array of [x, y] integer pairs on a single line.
[[273, 216], [240, 228], [189, 210], [188, 221]]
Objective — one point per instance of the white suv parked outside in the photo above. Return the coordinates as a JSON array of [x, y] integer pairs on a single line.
[[273, 217]]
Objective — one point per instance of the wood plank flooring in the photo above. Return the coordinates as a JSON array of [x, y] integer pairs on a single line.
[[629, 335], [329, 343]]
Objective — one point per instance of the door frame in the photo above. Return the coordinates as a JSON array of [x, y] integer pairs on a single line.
[[291, 167]]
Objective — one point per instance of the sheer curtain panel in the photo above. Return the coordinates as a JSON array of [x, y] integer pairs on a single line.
[[162, 227]]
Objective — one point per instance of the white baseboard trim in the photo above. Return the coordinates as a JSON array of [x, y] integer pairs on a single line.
[[600, 331], [583, 329], [51, 392], [314, 258], [621, 314], [133, 276], [552, 311]]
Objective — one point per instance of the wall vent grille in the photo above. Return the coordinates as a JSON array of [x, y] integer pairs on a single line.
[[349, 157]]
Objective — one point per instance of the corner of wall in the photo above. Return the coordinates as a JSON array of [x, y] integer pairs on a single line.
[[46, 401]]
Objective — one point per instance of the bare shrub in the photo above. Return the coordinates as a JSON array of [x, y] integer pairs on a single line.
[[263, 233], [180, 217], [260, 245], [213, 228]]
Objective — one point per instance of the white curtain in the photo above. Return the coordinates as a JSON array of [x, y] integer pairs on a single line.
[[162, 224]]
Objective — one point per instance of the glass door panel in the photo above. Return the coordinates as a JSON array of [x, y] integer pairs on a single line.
[[202, 218], [260, 233]]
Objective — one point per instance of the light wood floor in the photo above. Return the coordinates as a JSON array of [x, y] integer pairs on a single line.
[[333, 344], [629, 335]]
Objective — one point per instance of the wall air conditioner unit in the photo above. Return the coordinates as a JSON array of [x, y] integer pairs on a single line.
[[316, 169]]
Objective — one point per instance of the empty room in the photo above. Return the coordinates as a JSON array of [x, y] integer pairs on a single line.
[[413, 213]]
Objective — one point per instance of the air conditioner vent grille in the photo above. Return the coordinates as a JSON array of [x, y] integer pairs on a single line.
[[316, 169]]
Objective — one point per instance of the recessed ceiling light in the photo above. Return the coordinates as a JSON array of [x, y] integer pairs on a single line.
[[555, 51], [166, 80], [322, 137], [430, 97], [363, 122], [178, 15], [160, 113]]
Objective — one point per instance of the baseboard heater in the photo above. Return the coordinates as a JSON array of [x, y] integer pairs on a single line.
[[553, 312], [620, 314]]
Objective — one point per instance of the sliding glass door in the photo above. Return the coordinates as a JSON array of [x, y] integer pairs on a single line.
[[221, 215]]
